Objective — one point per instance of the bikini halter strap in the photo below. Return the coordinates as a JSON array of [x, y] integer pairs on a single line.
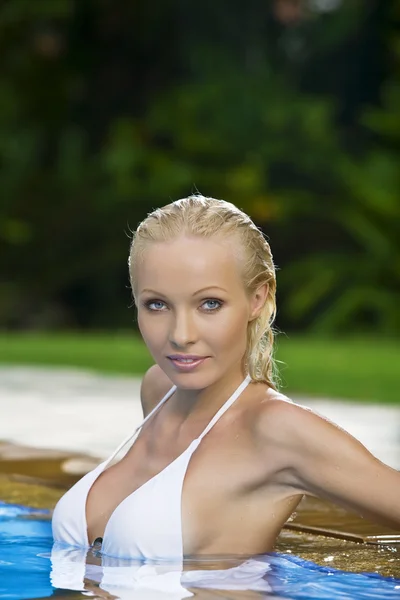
[[151, 413], [211, 424], [225, 406]]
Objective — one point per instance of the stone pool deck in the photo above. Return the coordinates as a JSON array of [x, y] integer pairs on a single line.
[[56, 425]]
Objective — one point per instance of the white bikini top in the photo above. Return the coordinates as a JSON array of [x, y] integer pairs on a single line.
[[147, 523]]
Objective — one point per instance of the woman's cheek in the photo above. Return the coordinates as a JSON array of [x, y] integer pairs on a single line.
[[145, 328]]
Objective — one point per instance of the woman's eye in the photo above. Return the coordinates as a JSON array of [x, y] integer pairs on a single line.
[[154, 302], [213, 308]]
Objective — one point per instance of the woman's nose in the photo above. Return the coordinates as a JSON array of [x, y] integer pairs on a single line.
[[183, 330]]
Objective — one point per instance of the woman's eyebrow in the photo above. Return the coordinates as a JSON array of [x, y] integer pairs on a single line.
[[209, 287]]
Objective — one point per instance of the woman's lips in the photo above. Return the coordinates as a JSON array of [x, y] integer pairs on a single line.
[[187, 366]]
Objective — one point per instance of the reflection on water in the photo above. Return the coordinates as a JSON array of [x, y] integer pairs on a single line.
[[74, 568], [31, 566], [267, 576]]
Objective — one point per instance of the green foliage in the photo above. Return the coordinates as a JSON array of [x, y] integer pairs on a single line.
[[360, 285], [110, 109]]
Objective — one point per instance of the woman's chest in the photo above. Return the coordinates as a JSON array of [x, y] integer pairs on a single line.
[[190, 488]]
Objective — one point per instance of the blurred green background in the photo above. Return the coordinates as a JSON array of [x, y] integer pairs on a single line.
[[288, 108]]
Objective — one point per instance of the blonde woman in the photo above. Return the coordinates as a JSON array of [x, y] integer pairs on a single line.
[[221, 459]]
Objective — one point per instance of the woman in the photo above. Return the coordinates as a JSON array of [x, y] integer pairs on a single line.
[[222, 458]]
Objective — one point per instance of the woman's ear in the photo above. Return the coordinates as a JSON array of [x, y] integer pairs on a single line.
[[258, 300]]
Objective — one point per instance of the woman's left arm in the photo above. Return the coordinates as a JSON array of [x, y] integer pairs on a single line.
[[327, 462]]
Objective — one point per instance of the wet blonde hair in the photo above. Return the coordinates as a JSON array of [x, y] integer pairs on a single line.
[[199, 216]]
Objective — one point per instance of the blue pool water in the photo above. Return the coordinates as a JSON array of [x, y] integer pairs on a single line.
[[32, 567]]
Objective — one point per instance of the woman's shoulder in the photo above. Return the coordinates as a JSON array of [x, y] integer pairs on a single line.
[[155, 384], [282, 421]]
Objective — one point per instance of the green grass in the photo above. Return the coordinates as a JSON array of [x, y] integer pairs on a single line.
[[104, 352], [355, 368], [360, 368]]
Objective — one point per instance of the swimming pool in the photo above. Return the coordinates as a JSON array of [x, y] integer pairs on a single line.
[[32, 567]]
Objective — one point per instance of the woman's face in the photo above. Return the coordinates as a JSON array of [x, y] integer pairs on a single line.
[[191, 301]]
